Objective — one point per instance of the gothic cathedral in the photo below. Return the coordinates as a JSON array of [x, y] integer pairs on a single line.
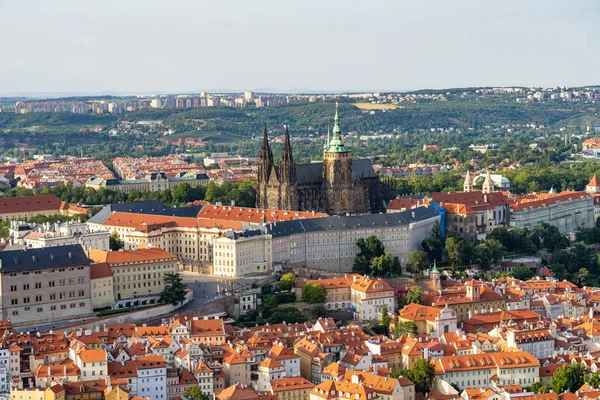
[[337, 185]]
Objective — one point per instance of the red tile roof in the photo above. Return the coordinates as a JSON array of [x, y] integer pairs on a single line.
[[100, 270]]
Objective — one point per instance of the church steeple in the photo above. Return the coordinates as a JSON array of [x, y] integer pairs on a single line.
[[336, 144], [468, 184], [488, 184], [287, 166], [266, 157]]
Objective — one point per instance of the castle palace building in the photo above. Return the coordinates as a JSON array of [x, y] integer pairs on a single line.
[[337, 185]]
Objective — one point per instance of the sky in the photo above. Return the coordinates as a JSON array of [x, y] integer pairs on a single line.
[[185, 46]]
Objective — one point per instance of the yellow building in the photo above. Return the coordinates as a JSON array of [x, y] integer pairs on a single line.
[[101, 279], [24, 208], [293, 388], [475, 298], [137, 273]]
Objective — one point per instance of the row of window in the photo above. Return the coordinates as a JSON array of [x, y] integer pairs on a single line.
[[52, 296], [52, 308]]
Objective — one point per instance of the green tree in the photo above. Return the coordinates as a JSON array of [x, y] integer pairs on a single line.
[[174, 290], [538, 388], [400, 372], [385, 317], [593, 380], [269, 303], [417, 261], [287, 281], [114, 242], [314, 293], [422, 375], [523, 273], [414, 296], [488, 253], [569, 377], [454, 250], [319, 311], [194, 393], [582, 276], [369, 249], [434, 244], [288, 314], [406, 327], [385, 266]]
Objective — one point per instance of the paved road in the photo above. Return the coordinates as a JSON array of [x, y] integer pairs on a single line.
[[207, 287]]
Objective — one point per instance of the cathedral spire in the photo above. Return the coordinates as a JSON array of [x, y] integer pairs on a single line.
[[266, 156], [336, 144], [287, 167], [326, 146]]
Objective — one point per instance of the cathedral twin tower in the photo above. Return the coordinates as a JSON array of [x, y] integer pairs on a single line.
[[338, 185]]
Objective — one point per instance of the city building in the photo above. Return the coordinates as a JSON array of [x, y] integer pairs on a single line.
[[137, 273], [337, 185], [330, 243], [474, 213], [240, 254], [24, 208], [150, 182], [486, 369], [471, 298], [59, 234], [133, 168], [364, 296], [568, 211], [186, 232], [43, 285], [101, 279], [431, 321]]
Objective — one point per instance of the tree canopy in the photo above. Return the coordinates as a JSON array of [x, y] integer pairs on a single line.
[[174, 290], [314, 293]]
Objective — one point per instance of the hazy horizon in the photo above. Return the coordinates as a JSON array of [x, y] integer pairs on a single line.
[[68, 47]]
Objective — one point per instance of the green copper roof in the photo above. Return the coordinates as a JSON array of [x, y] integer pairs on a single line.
[[434, 269], [336, 144]]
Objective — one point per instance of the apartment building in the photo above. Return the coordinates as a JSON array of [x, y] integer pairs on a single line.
[[188, 232], [430, 321], [240, 254], [137, 273], [363, 295], [473, 213], [24, 208], [151, 377], [59, 234], [101, 279], [486, 370], [568, 211], [41, 285], [151, 182], [474, 298], [291, 388], [330, 242]]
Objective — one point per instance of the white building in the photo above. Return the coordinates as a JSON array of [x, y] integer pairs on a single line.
[[539, 343], [37, 236], [151, 377], [485, 370], [568, 211], [330, 242], [92, 363], [4, 369], [240, 254], [287, 357]]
